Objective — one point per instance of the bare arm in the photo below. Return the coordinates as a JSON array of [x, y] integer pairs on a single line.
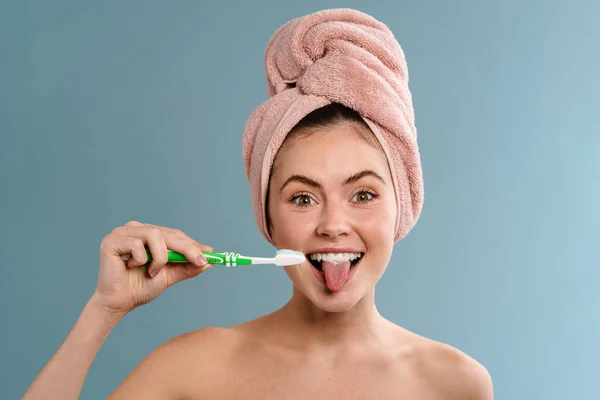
[[123, 285], [63, 376]]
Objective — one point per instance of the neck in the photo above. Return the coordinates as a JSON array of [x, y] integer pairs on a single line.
[[313, 327]]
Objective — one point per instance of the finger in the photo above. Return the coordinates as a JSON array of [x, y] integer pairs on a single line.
[[161, 239], [119, 229], [138, 252], [180, 242], [125, 245], [154, 243], [158, 249], [188, 248], [153, 239], [177, 232], [133, 223]]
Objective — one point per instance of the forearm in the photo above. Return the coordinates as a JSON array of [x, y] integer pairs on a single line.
[[64, 374]]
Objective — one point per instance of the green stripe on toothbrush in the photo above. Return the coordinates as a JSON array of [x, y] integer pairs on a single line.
[[226, 259]]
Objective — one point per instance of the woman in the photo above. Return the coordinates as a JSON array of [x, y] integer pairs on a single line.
[[334, 170]]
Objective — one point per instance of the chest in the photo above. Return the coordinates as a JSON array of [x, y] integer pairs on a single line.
[[276, 379]]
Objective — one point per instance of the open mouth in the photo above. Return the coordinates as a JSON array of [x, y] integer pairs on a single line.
[[317, 259]]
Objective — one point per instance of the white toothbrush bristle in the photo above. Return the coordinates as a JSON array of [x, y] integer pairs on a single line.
[[287, 257]]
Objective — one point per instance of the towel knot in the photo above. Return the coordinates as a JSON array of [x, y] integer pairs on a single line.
[[284, 85]]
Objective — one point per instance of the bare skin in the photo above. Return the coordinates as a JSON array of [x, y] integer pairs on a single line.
[[269, 359], [322, 344]]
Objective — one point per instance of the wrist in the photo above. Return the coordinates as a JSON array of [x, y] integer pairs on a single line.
[[104, 311]]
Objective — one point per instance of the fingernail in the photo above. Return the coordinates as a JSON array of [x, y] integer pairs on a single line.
[[153, 273], [201, 259]]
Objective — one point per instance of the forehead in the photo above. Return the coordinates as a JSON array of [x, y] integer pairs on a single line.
[[329, 153]]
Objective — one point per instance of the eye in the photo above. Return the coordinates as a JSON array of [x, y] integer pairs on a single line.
[[364, 196], [302, 200]]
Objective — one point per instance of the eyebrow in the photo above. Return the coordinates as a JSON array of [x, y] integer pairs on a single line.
[[359, 175], [351, 179]]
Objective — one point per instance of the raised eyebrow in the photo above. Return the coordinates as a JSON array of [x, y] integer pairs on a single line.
[[359, 175], [302, 179]]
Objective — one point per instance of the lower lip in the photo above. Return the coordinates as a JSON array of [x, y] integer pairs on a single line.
[[321, 278]]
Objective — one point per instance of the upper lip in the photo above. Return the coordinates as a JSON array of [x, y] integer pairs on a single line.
[[335, 250]]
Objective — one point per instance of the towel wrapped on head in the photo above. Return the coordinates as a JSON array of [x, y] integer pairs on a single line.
[[337, 56]]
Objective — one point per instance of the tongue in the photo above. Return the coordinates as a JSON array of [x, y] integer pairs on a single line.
[[335, 274]]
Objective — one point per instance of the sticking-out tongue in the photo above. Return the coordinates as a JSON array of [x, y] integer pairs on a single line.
[[335, 274]]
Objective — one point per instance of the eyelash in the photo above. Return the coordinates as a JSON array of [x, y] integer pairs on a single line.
[[373, 194], [293, 198]]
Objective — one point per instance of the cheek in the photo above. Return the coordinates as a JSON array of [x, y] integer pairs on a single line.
[[378, 227], [385, 212], [290, 228]]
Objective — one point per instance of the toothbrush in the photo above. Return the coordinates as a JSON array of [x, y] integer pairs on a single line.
[[283, 258]]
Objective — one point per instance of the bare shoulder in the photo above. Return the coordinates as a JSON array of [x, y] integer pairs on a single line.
[[454, 374], [179, 366]]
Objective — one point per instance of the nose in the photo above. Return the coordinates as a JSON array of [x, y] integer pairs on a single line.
[[334, 222]]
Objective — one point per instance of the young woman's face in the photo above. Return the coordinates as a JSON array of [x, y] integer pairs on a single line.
[[331, 197]]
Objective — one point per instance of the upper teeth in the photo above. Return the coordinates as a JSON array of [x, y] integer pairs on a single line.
[[334, 257]]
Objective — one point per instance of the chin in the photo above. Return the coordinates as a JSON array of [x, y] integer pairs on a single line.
[[338, 302], [335, 302]]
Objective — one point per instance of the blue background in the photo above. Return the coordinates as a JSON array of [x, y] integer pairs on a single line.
[[120, 110]]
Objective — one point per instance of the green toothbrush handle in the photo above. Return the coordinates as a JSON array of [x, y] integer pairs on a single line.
[[226, 259]]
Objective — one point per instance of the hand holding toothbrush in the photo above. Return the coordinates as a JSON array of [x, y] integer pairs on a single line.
[[123, 284], [171, 256]]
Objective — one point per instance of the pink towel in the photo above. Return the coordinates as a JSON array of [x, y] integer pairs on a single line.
[[342, 56]]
